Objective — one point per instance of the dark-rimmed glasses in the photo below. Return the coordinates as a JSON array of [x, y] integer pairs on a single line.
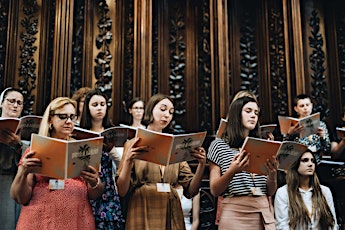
[[64, 116], [13, 101]]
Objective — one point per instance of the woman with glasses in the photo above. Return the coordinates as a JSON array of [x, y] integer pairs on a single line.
[[51, 205], [303, 203], [11, 105], [107, 209], [136, 110]]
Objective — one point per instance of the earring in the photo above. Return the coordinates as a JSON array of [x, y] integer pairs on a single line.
[[50, 126]]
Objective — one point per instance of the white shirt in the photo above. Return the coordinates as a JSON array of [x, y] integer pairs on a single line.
[[281, 207]]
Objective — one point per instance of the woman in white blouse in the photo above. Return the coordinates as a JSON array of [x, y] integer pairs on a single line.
[[303, 203]]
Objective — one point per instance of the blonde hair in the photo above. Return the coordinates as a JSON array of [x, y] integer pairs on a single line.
[[55, 104]]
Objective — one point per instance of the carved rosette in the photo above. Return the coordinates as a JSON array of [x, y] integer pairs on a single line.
[[317, 59], [277, 63], [102, 67], [29, 30]]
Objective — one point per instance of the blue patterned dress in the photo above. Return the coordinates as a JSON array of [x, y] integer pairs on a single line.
[[107, 209]]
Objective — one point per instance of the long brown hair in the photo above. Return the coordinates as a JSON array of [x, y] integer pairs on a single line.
[[298, 213], [234, 132]]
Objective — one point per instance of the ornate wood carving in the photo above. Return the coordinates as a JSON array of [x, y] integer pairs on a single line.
[[317, 59], [340, 27], [3, 38], [277, 63], [204, 71], [249, 59], [177, 66], [102, 67], [77, 47], [27, 70], [128, 54]]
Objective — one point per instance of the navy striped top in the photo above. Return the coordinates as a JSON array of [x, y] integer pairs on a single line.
[[221, 154]]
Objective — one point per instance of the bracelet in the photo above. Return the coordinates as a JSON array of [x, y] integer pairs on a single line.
[[98, 181]]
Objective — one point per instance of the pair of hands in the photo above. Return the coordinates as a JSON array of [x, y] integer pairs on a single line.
[[30, 164], [297, 129], [242, 159], [133, 151]]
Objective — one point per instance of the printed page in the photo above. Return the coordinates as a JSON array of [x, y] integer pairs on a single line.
[[159, 146], [9, 123], [116, 136], [52, 153], [260, 150], [81, 153], [288, 153], [27, 125], [266, 129], [183, 144], [310, 124]]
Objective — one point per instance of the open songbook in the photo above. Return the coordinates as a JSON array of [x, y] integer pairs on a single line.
[[64, 159], [310, 124], [24, 126], [113, 136], [221, 127], [286, 152], [165, 149], [265, 130]]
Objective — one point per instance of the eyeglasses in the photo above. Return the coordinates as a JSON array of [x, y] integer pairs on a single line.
[[138, 108], [13, 101], [64, 116]]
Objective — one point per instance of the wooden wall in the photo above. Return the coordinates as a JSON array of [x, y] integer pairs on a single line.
[[201, 52]]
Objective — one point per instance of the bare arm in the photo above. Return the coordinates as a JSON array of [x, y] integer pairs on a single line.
[[94, 184], [196, 211], [337, 148], [23, 183], [200, 154], [272, 167], [125, 169], [218, 182]]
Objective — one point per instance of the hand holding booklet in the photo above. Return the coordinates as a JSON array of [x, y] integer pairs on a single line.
[[165, 149], [286, 152], [24, 126], [310, 123], [63, 159]]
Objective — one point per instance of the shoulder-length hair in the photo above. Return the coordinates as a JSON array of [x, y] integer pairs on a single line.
[[86, 118], [153, 101], [54, 105], [234, 132], [130, 105], [298, 213]]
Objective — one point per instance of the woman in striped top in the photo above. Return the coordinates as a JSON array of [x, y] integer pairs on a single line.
[[246, 196]]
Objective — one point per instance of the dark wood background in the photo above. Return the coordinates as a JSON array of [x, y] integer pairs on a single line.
[[201, 52]]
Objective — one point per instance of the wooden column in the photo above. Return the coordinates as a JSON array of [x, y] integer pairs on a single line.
[[142, 48], [61, 71]]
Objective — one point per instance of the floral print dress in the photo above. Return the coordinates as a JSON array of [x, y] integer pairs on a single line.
[[107, 209]]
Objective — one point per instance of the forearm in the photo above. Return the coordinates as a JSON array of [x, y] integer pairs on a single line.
[[21, 188], [218, 183], [196, 181], [95, 191], [337, 148], [124, 179]]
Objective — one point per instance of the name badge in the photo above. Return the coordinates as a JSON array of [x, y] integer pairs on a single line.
[[163, 187], [256, 191], [55, 184]]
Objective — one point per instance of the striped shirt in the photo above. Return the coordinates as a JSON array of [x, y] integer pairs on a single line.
[[221, 154]]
